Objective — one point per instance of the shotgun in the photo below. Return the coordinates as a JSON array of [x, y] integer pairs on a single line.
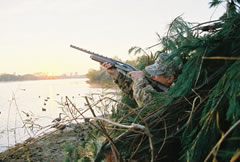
[[122, 67]]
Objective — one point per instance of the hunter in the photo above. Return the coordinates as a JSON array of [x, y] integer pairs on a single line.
[[164, 71]]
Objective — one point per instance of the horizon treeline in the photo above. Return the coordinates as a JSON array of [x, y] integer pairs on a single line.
[[14, 77]]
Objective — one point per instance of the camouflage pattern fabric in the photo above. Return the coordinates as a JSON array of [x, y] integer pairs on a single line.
[[142, 91], [139, 90], [166, 65], [125, 84]]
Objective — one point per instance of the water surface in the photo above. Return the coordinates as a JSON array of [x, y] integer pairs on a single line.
[[38, 101]]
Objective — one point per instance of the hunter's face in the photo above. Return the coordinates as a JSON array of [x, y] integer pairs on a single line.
[[167, 81]]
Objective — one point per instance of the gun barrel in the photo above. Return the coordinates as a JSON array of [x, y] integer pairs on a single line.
[[83, 50]]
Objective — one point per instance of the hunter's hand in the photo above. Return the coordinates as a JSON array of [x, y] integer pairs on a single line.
[[136, 75], [110, 70]]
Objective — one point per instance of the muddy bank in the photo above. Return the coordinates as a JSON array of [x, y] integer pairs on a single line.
[[49, 147]]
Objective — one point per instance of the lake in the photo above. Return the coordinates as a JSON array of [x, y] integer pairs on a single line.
[[38, 102]]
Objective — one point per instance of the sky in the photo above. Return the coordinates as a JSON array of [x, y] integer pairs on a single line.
[[35, 35]]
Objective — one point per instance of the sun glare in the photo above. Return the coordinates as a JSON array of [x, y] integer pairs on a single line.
[[51, 74]]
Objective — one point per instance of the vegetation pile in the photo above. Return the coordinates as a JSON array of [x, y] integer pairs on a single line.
[[198, 119]]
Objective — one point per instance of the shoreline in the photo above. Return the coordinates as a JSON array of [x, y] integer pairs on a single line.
[[48, 147]]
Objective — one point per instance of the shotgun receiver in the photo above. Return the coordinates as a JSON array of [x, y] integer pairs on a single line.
[[122, 67]]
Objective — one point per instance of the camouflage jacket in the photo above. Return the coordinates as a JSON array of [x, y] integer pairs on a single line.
[[140, 90]]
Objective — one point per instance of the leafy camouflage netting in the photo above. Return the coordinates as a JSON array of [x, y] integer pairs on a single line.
[[198, 120]]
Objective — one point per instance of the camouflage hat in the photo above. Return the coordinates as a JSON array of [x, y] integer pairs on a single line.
[[165, 66]]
